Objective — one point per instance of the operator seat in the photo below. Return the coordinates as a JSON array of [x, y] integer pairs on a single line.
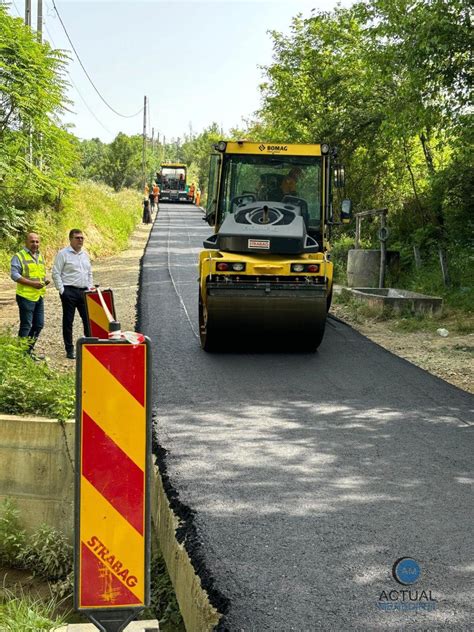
[[302, 204]]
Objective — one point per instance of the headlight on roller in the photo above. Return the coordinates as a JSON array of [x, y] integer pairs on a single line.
[[297, 267]]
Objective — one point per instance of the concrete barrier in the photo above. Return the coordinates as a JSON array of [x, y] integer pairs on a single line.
[[197, 612], [396, 300], [37, 470]]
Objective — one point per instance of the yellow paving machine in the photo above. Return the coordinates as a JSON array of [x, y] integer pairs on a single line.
[[265, 275], [171, 178]]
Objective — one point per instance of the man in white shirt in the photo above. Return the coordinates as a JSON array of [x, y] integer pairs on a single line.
[[72, 274]]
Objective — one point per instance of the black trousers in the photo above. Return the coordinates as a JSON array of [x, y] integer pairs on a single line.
[[73, 298]]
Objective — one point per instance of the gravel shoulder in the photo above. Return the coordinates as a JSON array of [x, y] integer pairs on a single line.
[[449, 358]]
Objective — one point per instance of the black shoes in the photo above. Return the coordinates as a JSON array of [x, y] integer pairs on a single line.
[[70, 355]]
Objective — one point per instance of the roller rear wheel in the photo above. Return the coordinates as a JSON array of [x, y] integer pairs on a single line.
[[208, 340]]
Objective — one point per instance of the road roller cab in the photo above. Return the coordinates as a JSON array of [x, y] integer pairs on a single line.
[[265, 273]]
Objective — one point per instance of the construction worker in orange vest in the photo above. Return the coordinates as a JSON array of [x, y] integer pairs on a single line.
[[156, 193], [197, 199], [192, 190]]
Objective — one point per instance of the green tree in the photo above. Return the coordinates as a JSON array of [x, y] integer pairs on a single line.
[[92, 156], [122, 165], [388, 82], [36, 152]]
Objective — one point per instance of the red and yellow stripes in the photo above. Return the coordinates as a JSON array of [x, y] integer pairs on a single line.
[[98, 322], [113, 476]]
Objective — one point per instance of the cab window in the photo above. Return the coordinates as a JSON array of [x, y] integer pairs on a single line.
[[212, 185], [292, 179]]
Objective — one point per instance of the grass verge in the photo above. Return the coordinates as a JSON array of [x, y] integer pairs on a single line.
[[29, 387], [107, 219], [21, 612], [455, 320]]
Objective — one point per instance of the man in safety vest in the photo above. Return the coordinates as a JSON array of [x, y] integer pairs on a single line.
[[198, 196], [28, 270], [192, 190]]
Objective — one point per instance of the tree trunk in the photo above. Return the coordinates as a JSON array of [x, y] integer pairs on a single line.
[[417, 255], [427, 152], [444, 266], [413, 182]]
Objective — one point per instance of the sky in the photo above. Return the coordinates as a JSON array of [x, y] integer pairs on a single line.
[[197, 62]]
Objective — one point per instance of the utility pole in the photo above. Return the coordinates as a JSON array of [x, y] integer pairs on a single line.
[[39, 21], [28, 13], [153, 140], [144, 143]]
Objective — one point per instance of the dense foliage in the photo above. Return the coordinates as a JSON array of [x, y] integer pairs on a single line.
[[36, 152], [388, 82], [119, 163]]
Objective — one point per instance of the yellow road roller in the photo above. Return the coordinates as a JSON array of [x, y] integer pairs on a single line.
[[265, 275]]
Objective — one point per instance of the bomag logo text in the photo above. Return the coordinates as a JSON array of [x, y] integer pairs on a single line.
[[277, 147]]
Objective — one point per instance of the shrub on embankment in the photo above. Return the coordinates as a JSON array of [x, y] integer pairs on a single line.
[[107, 219], [33, 388]]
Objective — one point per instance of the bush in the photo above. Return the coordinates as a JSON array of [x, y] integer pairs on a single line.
[[28, 387], [12, 537], [164, 606], [48, 554], [339, 250]]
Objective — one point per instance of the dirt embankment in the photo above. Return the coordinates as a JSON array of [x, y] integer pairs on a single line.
[[449, 358]]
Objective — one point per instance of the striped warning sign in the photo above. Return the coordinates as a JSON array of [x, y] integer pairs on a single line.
[[98, 321], [112, 535]]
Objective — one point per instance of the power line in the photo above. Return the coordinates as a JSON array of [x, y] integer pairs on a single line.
[[77, 89], [16, 9], [87, 74]]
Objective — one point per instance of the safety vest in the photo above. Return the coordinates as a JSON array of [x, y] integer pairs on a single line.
[[33, 271]]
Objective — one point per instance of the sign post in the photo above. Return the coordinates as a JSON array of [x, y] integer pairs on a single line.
[[112, 510], [96, 314]]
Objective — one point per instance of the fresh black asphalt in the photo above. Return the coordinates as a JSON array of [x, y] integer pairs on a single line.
[[301, 478]]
